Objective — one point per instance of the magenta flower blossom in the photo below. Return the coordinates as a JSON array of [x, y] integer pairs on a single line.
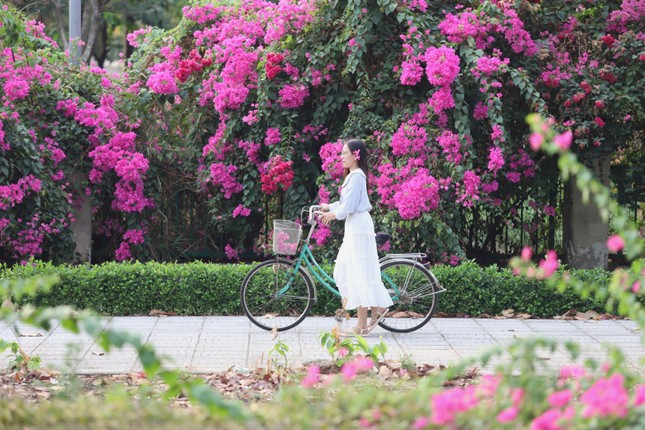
[[312, 377], [495, 159], [527, 253], [508, 414], [547, 421], [240, 210], [564, 140], [293, 96], [549, 210], [231, 253], [417, 195], [442, 65], [560, 399], [447, 404], [606, 397], [572, 372], [354, 367], [411, 72], [16, 88], [451, 145], [639, 395], [550, 264], [409, 138], [162, 83], [615, 243], [273, 136], [480, 112]]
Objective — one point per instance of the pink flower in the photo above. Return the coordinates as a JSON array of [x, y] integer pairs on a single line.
[[420, 423], [230, 252], [508, 414], [560, 399], [495, 159], [356, 366], [549, 210], [547, 421], [293, 96], [447, 404], [411, 72], [357, 154], [312, 378], [574, 372], [599, 122], [442, 65], [536, 141], [526, 253], [241, 211], [615, 243], [606, 397], [481, 111], [549, 264], [273, 136], [639, 395], [16, 88], [162, 83], [564, 140]]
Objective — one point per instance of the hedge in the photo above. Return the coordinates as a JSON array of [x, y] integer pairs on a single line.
[[213, 289]]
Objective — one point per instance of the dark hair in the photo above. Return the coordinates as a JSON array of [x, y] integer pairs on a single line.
[[358, 145]]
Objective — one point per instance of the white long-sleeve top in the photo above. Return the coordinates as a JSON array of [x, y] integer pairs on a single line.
[[353, 196]]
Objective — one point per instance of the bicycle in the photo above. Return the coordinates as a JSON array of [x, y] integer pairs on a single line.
[[278, 293]]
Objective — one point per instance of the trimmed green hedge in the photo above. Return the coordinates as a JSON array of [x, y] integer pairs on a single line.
[[213, 289]]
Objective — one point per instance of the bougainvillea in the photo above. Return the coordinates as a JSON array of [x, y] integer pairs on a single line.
[[63, 140], [244, 105]]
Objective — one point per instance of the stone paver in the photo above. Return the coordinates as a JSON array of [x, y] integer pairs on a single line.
[[210, 344]]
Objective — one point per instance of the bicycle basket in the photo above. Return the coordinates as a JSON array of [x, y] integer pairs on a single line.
[[286, 236]]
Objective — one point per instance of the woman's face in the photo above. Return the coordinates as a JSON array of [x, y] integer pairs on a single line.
[[349, 161]]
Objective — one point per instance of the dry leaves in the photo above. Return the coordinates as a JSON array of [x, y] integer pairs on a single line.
[[573, 314], [259, 385], [158, 313]]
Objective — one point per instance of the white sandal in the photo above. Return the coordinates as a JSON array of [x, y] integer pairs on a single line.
[[375, 319]]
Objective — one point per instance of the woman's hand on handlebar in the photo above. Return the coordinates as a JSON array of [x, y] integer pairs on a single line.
[[328, 217], [324, 207]]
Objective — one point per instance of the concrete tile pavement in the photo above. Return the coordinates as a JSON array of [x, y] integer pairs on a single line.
[[215, 343]]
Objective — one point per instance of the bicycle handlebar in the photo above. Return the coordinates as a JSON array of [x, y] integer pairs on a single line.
[[313, 210]]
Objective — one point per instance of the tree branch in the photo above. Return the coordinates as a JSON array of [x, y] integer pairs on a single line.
[[60, 22], [91, 21]]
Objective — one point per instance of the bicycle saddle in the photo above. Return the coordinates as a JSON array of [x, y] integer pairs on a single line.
[[381, 238]]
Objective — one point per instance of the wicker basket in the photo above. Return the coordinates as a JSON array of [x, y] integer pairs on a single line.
[[286, 236]]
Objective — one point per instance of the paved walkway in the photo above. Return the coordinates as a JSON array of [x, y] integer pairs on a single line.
[[210, 344]]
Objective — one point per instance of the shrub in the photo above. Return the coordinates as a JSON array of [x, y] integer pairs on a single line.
[[213, 289]]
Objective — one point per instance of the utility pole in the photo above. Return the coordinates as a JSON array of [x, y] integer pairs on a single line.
[[75, 31], [82, 226]]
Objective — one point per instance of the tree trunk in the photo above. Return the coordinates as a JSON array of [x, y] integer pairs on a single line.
[[584, 231], [82, 231]]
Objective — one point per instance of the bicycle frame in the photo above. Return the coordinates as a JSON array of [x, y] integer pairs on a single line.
[[307, 259]]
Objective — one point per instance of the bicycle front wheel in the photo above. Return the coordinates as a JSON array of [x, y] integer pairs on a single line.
[[275, 296], [414, 291]]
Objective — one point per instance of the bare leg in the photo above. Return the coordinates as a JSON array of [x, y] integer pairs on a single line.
[[361, 315]]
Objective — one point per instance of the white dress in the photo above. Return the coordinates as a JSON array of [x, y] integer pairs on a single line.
[[357, 272]]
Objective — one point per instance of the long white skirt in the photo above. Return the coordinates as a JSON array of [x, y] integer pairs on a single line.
[[357, 272]]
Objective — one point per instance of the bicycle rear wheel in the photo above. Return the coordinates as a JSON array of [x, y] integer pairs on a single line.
[[417, 295], [276, 297]]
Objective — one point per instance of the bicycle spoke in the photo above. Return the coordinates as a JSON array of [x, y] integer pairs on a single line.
[[273, 297], [415, 295]]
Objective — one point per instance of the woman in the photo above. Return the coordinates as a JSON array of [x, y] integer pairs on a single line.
[[357, 272]]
